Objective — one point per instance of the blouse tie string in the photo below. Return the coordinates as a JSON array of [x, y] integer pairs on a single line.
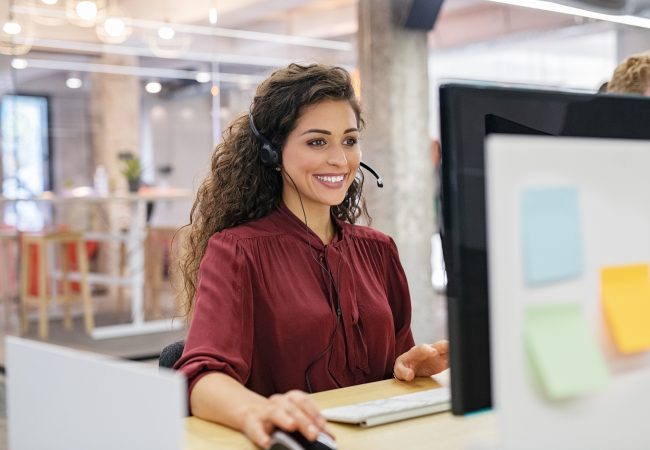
[[356, 349]]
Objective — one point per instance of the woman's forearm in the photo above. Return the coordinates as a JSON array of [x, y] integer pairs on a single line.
[[220, 398]]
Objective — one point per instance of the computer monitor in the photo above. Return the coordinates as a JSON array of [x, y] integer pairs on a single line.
[[468, 113]]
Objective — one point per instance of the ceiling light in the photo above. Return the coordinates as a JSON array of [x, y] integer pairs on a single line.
[[12, 27], [153, 87], [114, 26], [45, 12], [166, 32], [187, 29], [213, 15], [87, 10], [18, 63], [73, 82], [214, 90], [544, 5], [148, 73], [203, 77]]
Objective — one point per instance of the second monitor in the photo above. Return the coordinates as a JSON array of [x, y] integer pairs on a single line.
[[470, 112]]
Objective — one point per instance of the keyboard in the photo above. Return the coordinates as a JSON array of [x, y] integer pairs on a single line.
[[392, 409]]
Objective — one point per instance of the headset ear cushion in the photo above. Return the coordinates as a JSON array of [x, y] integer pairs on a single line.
[[275, 155], [269, 155]]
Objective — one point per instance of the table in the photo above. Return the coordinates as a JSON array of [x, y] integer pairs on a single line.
[[135, 250], [442, 431]]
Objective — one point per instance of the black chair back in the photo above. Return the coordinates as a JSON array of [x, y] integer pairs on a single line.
[[170, 354]]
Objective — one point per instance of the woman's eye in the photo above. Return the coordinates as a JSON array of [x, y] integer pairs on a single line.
[[317, 142], [351, 141]]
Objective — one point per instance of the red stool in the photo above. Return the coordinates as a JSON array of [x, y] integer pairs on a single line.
[[34, 269]]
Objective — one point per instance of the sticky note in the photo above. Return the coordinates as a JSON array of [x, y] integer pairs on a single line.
[[563, 351], [552, 237], [625, 297]]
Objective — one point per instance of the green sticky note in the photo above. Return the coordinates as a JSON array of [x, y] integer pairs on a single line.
[[563, 351]]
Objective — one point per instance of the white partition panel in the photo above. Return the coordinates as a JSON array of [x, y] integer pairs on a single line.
[[612, 179], [59, 398]]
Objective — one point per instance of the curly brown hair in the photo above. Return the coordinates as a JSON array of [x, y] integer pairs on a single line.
[[632, 76], [239, 188]]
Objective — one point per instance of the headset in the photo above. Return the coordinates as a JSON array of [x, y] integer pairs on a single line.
[[271, 157]]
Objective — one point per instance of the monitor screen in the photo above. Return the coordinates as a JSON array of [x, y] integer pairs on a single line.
[[468, 113]]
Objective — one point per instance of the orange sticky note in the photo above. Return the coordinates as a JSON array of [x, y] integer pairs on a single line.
[[625, 294]]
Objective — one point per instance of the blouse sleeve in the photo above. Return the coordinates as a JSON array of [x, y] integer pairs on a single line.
[[400, 301], [220, 336]]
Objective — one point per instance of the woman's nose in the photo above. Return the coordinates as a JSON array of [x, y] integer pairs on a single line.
[[337, 156]]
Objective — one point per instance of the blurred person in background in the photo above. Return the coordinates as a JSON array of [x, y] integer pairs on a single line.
[[632, 76]]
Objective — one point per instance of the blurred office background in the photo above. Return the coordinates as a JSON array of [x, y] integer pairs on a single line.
[[89, 87]]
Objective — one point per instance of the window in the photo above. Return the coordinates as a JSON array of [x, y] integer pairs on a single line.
[[25, 157]]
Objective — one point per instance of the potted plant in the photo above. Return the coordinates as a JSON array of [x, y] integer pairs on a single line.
[[132, 170]]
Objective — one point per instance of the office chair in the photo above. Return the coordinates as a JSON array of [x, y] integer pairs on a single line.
[[170, 354]]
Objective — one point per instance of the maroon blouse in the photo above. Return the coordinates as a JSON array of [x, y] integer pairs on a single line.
[[266, 307]]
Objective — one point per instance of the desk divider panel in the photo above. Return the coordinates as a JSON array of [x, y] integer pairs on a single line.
[[569, 250]]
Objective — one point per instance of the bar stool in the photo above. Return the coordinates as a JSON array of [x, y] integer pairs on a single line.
[[160, 249], [9, 273], [61, 241], [158, 263]]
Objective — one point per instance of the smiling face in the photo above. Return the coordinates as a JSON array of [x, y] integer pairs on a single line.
[[321, 155]]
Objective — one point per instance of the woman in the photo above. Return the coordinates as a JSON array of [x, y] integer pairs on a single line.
[[286, 294]]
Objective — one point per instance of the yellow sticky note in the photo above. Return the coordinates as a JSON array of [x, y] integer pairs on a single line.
[[616, 276], [625, 294]]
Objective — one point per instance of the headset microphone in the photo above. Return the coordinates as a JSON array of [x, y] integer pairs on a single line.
[[380, 181]]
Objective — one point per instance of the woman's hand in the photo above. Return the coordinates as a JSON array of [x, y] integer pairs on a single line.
[[422, 360], [293, 411]]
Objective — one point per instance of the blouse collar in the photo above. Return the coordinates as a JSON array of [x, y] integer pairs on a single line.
[[297, 226]]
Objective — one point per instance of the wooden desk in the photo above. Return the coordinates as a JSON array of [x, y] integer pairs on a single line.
[[443, 431]]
